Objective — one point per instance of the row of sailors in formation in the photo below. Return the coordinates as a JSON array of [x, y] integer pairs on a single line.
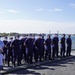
[[28, 48]]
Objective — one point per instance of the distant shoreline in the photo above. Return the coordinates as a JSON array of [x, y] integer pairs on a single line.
[[33, 34]]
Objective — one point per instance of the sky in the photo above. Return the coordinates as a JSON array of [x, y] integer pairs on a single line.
[[37, 16]]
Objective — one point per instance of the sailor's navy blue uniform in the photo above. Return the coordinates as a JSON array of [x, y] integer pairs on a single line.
[[34, 53], [29, 49], [23, 49], [43, 49], [5, 49], [55, 46], [62, 53], [17, 51], [69, 45], [48, 50], [39, 47], [9, 52]]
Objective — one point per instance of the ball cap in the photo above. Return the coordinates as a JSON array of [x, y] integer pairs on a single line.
[[11, 37]]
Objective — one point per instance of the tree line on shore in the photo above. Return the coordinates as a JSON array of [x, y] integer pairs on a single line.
[[33, 34], [13, 34]]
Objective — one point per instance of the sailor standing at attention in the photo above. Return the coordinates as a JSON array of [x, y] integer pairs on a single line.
[[17, 50], [55, 41], [48, 45], [39, 47], [29, 49], [69, 45], [5, 48], [9, 51], [62, 53]]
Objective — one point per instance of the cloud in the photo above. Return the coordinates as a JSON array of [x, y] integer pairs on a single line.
[[50, 10], [2, 11], [72, 5], [12, 11], [33, 26], [58, 10], [40, 9], [55, 10]]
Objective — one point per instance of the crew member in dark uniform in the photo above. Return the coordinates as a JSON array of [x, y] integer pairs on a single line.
[[69, 45], [62, 53], [29, 49], [23, 48], [17, 50], [9, 51], [55, 46], [33, 39], [39, 47], [43, 49], [5, 48], [48, 45]]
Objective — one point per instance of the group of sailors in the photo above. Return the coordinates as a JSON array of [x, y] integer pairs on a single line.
[[32, 50]]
